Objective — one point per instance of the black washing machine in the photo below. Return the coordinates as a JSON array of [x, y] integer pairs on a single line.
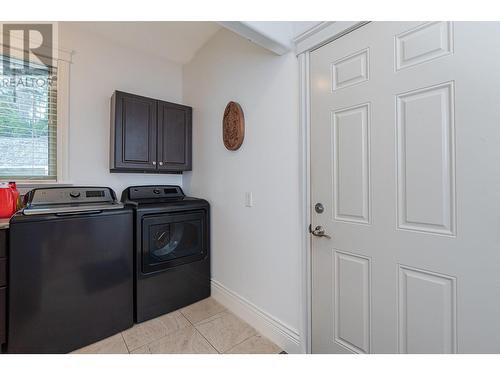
[[70, 270], [172, 249]]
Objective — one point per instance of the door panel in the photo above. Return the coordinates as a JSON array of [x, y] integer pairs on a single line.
[[351, 164], [426, 153], [404, 150], [423, 43], [174, 143], [352, 301], [174, 135], [427, 311], [350, 70], [135, 126], [136, 134]]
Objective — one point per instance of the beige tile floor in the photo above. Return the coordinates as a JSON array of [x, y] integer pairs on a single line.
[[205, 327]]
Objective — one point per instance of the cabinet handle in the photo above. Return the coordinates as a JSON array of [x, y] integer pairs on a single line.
[[161, 163], [154, 163]]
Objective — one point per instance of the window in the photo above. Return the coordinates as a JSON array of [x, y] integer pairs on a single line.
[[28, 122]]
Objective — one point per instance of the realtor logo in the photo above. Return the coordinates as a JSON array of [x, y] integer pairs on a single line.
[[27, 48]]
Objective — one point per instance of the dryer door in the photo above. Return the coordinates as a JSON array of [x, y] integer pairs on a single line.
[[173, 239]]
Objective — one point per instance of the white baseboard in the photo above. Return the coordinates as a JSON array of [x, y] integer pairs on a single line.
[[278, 332]]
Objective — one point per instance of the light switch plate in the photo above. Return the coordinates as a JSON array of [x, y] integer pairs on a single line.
[[248, 199]]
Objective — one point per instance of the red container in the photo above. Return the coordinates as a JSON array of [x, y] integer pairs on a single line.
[[15, 194], [7, 201]]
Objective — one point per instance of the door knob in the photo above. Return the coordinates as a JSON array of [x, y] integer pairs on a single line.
[[154, 163], [318, 232]]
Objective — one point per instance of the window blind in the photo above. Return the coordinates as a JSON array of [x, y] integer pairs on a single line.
[[28, 121]]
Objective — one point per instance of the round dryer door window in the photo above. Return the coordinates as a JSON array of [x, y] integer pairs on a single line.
[[173, 239]]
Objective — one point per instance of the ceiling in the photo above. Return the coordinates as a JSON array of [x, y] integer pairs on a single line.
[[174, 41]]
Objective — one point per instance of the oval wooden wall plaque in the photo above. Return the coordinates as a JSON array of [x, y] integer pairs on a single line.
[[233, 126]]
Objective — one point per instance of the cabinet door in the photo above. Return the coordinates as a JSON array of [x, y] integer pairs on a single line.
[[174, 137], [3, 315], [3, 243], [133, 133]]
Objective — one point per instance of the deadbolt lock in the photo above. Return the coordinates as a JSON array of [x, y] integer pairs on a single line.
[[319, 208]]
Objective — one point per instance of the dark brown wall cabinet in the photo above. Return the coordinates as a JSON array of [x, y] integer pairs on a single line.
[[149, 135]]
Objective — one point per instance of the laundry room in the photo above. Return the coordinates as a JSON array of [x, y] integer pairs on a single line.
[[255, 184], [117, 170]]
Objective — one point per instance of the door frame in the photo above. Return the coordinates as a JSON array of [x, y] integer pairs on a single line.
[[305, 43]]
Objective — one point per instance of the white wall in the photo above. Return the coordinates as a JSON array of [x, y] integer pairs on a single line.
[[100, 67], [255, 250]]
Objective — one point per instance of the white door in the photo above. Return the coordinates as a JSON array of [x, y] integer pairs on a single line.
[[405, 159]]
